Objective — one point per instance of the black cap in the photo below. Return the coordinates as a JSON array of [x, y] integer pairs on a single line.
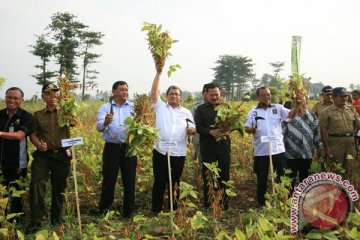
[[340, 91], [49, 87], [206, 87], [327, 89]]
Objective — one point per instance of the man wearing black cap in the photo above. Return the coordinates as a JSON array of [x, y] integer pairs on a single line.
[[338, 123], [50, 160], [325, 102]]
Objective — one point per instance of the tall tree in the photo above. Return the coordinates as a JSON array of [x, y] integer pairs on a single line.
[[66, 31], [266, 80], [89, 40], [234, 74], [43, 49], [315, 88], [277, 68]]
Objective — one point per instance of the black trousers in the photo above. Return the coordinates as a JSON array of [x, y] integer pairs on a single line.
[[161, 178], [57, 166], [10, 176], [261, 169], [224, 162], [301, 166], [114, 158]]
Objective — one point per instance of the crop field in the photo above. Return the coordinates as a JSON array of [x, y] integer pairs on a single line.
[[242, 221]]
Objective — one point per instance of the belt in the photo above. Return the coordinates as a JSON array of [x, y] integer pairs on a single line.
[[56, 151], [122, 145], [341, 135]]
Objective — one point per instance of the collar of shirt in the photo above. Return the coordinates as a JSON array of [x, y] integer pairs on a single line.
[[115, 132], [268, 106], [115, 104]]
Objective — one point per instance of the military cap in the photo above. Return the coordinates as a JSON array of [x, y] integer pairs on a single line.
[[340, 91], [49, 87]]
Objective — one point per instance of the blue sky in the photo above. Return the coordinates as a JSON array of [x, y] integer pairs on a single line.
[[259, 29]]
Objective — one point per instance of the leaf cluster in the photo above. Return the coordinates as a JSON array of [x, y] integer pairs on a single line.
[[297, 88], [67, 103], [139, 136], [159, 45], [229, 118], [140, 132]]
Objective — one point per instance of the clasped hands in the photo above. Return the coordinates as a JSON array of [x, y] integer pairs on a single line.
[[218, 133]]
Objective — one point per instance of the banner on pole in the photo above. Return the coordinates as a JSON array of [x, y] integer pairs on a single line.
[[295, 54]]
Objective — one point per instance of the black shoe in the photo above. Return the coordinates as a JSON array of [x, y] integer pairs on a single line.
[[99, 212], [154, 214], [56, 221], [128, 216], [32, 228]]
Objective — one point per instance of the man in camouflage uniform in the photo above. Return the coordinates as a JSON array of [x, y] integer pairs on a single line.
[[338, 124]]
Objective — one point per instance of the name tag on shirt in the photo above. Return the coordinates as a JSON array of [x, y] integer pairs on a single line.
[[72, 142], [267, 138], [165, 144]]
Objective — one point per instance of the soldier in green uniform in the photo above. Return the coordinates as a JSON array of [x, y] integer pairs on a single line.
[[325, 102], [338, 124], [50, 160]]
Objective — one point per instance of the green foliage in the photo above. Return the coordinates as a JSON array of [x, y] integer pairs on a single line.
[[159, 44], [44, 50], [138, 136], [199, 221], [88, 40], [2, 82], [229, 118], [239, 222], [172, 69], [66, 39]]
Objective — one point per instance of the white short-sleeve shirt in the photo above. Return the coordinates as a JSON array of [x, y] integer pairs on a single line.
[[269, 126], [171, 123]]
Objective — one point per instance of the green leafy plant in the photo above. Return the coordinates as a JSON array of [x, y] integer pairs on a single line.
[[229, 118], [139, 136], [140, 132], [159, 44]]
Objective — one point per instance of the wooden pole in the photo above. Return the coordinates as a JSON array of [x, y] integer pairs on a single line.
[[76, 190], [271, 168]]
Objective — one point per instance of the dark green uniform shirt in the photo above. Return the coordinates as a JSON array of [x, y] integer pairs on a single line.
[[46, 127], [339, 120]]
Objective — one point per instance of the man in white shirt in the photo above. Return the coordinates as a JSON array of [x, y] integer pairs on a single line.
[[264, 120], [174, 123]]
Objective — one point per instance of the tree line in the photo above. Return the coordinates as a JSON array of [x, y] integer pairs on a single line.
[[69, 42]]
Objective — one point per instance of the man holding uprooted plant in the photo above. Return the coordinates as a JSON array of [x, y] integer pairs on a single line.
[[264, 122], [214, 144], [174, 123], [110, 122]]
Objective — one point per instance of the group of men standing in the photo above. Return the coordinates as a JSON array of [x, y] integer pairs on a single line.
[[175, 123], [287, 137], [50, 159]]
